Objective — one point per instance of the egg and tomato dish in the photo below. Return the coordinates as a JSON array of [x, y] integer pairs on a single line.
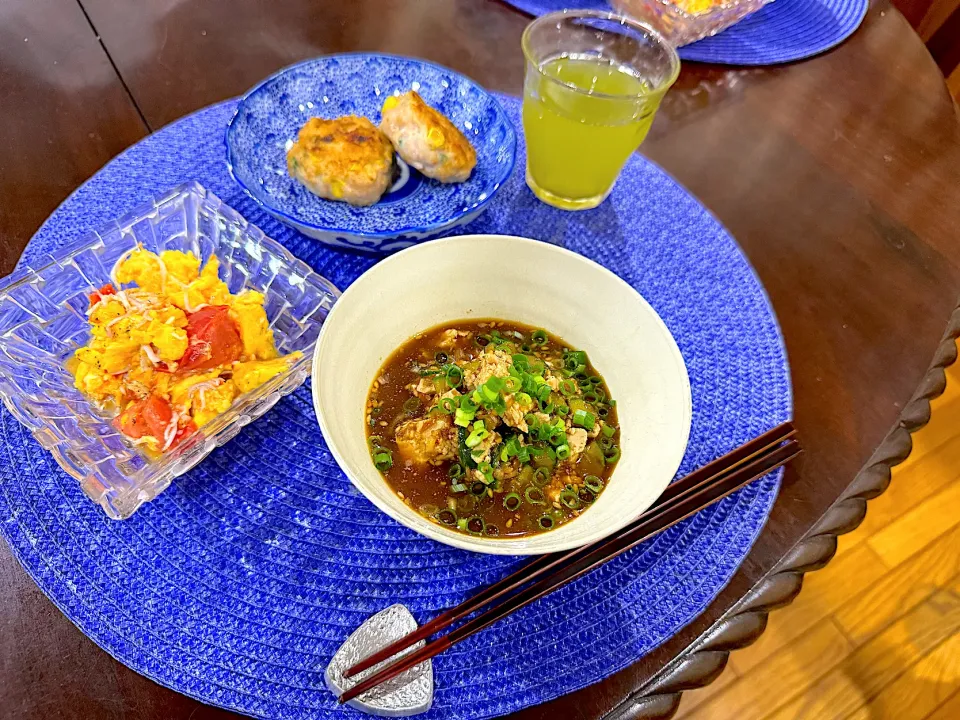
[[172, 353]]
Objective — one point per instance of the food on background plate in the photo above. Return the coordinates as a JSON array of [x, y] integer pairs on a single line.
[[346, 159], [426, 139], [492, 428], [172, 353]]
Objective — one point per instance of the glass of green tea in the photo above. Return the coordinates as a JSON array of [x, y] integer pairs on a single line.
[[594, 81]]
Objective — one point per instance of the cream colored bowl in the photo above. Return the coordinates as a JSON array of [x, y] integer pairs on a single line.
[[511, 278]]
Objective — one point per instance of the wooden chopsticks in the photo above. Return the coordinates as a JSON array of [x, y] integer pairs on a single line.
[[709, 484]]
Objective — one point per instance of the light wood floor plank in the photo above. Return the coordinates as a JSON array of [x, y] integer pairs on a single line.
[[864, 674], [901, 589], [918, 528], [823, 593], [950, 710], [785, 674], [922, 688]]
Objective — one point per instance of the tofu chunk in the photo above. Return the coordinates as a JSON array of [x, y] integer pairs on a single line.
[[430, 440]]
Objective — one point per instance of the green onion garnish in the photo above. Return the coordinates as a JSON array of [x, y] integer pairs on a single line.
[[539, 337], [569, 498], [563, 452], [543, 393], [458, 488], [478, 488], [486, 469], [454, 375], [591, 397], [562, 410], [463, 418], [612, 455], [512, 384], [534, 496], [521, 362], [584, 419], [477, 435], [455, 471], [546, 522], [607, 430], [448, 406], [383, 460], [568, 387], [447, 517], [593, 483], [476, 525], [541, 476], [512, 501]]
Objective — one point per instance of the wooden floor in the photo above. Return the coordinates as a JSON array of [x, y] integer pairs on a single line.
[[876, 634]]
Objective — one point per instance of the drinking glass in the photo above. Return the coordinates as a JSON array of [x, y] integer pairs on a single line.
[[594, 81]]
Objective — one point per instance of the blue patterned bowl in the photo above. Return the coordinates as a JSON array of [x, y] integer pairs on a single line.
[[415, 208]]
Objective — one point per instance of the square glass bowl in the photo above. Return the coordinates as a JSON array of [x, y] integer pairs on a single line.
[[43, 321], [684, 23]]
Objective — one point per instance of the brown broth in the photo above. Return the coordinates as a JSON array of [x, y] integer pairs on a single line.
[[394, 400]]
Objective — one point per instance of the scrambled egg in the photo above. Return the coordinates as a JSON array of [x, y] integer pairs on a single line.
[[142, 339]]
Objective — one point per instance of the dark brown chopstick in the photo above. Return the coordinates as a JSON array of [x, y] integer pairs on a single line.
[[532, 570], [682, 507]]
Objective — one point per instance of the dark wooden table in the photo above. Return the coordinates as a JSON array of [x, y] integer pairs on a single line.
[[839, 176]]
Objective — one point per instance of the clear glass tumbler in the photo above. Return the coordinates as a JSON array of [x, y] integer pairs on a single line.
[[594, 81]]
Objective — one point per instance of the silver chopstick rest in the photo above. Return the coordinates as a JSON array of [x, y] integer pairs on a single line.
[[410, 693]]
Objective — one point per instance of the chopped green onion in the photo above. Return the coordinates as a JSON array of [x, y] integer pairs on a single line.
[[458, 488], [543, 393], [593, 483], [525, 348], [512, 384], [523, 454], [541, 476], [563, 452], [548, 408], [476, 525], [447, 517], [562, 410], [534, 496], [375, 441], [411, 405], [455, 471], [462, 523], [603, 412], [383, 460], [454, 376], [539, 337], [568, 387], [486, 470], [497, 338], [606, 443], [570, 498], [478, 488], [483, 340], [521, 362], [591, 397], [463, 418], [607, 430], [545, 522], [512, 501], [584, 419], [479, 434], [495, 384], [448, 406], [612, 455]]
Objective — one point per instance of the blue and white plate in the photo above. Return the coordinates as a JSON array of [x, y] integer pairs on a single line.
[[416, 208]]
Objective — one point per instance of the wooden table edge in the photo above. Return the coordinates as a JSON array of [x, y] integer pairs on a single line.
[[744, 623]]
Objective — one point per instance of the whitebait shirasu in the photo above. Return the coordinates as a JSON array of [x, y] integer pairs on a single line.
[[188, 307], [151, 355], [201, 387], [171, 432]]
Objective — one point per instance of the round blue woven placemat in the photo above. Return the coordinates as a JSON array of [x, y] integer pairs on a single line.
[[783, 31], [238, 584]]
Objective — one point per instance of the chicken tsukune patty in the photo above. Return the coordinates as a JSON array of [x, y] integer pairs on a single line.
[[426, 139], [346, 159]]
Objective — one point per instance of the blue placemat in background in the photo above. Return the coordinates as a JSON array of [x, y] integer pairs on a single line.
[[783, 31], [240, 581]]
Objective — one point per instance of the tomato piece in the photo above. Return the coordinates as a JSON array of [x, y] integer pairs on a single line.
[[150, 416], [213, 337], [97, 295], [183, 432]]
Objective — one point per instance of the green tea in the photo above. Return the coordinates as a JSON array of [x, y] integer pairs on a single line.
[[578, 142]]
